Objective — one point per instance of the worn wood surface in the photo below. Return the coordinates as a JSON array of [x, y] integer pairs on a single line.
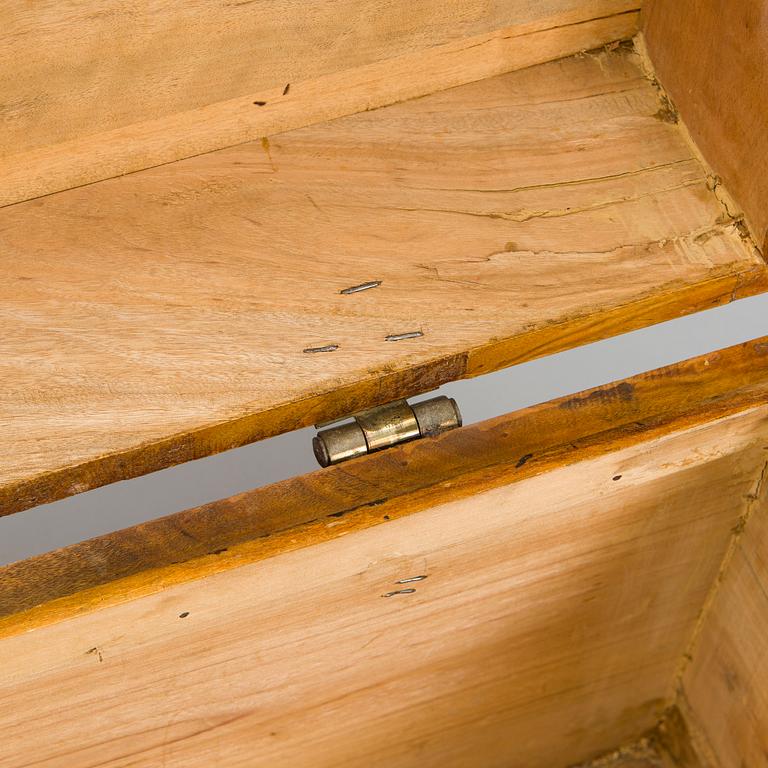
[[94, 90], [626, 761], [553, 613], [672, 736], [725, 686], [640, 754], [163, 316], [712, 57], [203, 540]]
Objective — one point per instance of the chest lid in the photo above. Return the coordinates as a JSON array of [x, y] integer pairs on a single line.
[[196, 306]]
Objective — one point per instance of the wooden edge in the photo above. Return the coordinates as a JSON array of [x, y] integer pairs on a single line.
[[665, 303], [378, 488], [148, 144]]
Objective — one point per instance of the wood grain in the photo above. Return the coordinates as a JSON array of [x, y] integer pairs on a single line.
[[205, 540], [712, 57], [163, 316], [725, 687], [283, 65], [552, 615], [84, 68]]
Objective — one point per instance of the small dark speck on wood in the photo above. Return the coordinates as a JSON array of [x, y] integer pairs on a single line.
[[260, 103], [326, 348], [403, 336], [399, 592], [523, 460], [95, 651], [362, 287]]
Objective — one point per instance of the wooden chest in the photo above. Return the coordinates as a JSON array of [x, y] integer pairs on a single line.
[[222, 221]]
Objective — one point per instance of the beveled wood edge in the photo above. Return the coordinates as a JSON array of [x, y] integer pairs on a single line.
[[375, 489], [378, 387]]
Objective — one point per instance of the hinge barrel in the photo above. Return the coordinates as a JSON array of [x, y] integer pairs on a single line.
[[383, 426]]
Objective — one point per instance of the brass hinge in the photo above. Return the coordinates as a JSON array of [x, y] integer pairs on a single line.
[[383, 426]]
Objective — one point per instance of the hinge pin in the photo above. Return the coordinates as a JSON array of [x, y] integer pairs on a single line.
[[385, 425]]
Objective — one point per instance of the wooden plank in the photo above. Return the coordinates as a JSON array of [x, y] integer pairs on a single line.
[[552, 616], [712, 57], [725, 687], [96, 91], [164, 316]]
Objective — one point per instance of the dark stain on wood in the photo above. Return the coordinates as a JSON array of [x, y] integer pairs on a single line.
[[667, 112], [523, 460], [623, 391]]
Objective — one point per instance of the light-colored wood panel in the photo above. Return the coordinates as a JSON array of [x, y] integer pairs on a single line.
[[78, 68], [712, 57], [551, 618], [725, 687], [162, 316], [94, 93]]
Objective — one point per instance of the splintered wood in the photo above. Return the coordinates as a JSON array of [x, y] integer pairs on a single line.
[[162, 316]]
